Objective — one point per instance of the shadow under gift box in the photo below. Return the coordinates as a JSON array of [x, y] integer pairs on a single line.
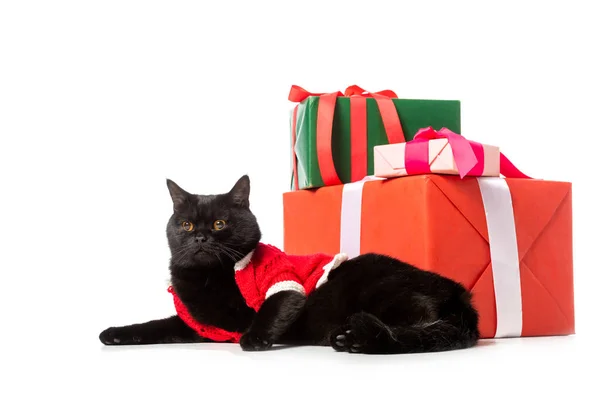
[[438, 223]]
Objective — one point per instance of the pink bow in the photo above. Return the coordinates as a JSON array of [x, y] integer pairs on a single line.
[[468, 155]]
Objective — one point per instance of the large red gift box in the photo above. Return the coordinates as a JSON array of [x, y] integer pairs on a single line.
[[509, 241]]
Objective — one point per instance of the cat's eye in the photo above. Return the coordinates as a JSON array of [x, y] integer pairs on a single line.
[[219, 224], [187, 226]]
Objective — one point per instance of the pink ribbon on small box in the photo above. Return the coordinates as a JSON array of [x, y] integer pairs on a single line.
[[468, 155]]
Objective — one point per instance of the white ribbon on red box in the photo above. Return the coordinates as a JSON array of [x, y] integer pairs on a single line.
[[497, 203], [504, 253]]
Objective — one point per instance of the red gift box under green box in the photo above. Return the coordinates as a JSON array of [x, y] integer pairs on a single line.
[[333, 134]]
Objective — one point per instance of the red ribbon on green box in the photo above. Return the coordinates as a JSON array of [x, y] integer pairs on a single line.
[[358, 128]]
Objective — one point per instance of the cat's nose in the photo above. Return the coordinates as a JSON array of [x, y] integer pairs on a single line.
[[201, 238]]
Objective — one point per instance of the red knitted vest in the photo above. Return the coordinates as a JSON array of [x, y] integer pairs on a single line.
[[206, 331], [260, 274]]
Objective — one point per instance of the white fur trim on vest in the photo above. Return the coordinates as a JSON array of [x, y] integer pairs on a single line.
[[243, 263], [330, 266], [285, 285]]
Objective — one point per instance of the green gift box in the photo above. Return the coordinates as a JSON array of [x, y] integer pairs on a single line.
[[333, 134]]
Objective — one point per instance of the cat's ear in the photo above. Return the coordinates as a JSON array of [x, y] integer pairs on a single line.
[[240, 192], [178, 195]]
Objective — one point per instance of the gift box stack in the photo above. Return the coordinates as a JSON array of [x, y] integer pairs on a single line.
[[375, 173]]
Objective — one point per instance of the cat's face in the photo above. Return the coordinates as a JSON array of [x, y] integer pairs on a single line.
[[211, 230]]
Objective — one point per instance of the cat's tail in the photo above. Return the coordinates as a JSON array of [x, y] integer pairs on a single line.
[[367, 334]]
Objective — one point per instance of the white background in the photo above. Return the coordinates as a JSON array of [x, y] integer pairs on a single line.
[[101, 101]]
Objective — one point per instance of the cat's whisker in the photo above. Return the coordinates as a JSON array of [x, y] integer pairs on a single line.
[[219, 257], [182, 250], [230, 256], [235, 255], [225, 253]]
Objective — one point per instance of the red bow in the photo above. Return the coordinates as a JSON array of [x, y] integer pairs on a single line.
[[358, 128], [356, 90]]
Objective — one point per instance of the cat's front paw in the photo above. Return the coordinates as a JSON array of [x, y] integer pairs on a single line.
[[252, 341], [118, 336]]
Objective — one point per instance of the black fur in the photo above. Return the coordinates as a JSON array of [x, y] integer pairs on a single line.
[[274, 318], [370, 304], [168, 330]]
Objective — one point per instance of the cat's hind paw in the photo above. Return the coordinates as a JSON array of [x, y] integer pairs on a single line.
[[364, 333], [344, 339]]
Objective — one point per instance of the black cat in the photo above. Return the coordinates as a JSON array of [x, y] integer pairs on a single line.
[[368, 304]]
